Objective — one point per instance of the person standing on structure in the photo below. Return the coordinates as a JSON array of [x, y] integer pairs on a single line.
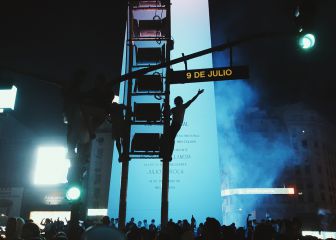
[[117, 118], [177, 114]]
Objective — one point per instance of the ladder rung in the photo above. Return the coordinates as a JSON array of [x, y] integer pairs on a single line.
[[147, 93], [146, 123], [149, 39]]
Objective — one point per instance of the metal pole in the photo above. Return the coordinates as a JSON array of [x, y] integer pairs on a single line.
[[166, 159], [123, 196], [73, 232], [204, 52], [165, 187], [126, 138]]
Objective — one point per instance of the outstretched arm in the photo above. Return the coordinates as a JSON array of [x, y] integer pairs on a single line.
[[200, 91]]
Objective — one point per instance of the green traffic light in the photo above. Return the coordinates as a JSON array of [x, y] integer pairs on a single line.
[[73, 193], [307, 41]]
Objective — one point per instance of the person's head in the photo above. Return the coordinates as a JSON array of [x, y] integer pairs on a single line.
[[30, 230], [48, 220], [105, 220], [178, 101], [11, 227], [19, 225], [132, 219], [134, 234], [153, 221], [60, 236], [212, 229]]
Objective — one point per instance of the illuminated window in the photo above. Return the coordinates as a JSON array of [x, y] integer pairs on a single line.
[[38, 216], [320, 235], [7, 98], [51, 166], [97, 212]]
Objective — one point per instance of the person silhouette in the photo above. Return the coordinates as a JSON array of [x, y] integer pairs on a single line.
[[177, 114], [117, 118]]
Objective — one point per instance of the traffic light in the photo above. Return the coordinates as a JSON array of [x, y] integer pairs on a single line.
[[73, 193], [307, 40], [304, 14]]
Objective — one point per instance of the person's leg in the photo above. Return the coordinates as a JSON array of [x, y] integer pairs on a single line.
[[123, 133], [173, 130], [118, 145], [87, 118]]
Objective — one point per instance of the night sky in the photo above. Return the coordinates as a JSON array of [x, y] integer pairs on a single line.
[[54, 38], [280, 71]]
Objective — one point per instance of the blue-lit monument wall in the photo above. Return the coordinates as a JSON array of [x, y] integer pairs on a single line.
[[194, 186]]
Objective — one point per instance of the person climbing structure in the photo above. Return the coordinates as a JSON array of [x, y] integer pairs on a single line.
[[177, 114], [116, 117]]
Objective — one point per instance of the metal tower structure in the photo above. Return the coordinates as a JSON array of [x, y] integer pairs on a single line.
[[148, 43]]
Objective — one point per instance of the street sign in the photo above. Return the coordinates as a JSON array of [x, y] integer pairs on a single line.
[[209, 74]]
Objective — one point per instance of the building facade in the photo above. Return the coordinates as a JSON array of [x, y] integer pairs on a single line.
[[313, 140], [310, 168]]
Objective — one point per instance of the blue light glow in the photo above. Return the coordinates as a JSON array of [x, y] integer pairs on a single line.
[[249, 158]]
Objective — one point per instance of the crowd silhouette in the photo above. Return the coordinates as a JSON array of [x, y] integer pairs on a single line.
[[107, 228]]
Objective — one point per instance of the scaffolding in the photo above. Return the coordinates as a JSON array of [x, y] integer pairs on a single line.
[[146, 96]]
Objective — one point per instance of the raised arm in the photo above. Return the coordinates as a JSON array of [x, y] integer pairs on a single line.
[[187, 104]]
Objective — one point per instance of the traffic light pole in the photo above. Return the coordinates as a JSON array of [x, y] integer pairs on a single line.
[[126, 139], [123, 195], [166, 117], [166, 158], [165, 188], [220, 47], [73, 232]]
